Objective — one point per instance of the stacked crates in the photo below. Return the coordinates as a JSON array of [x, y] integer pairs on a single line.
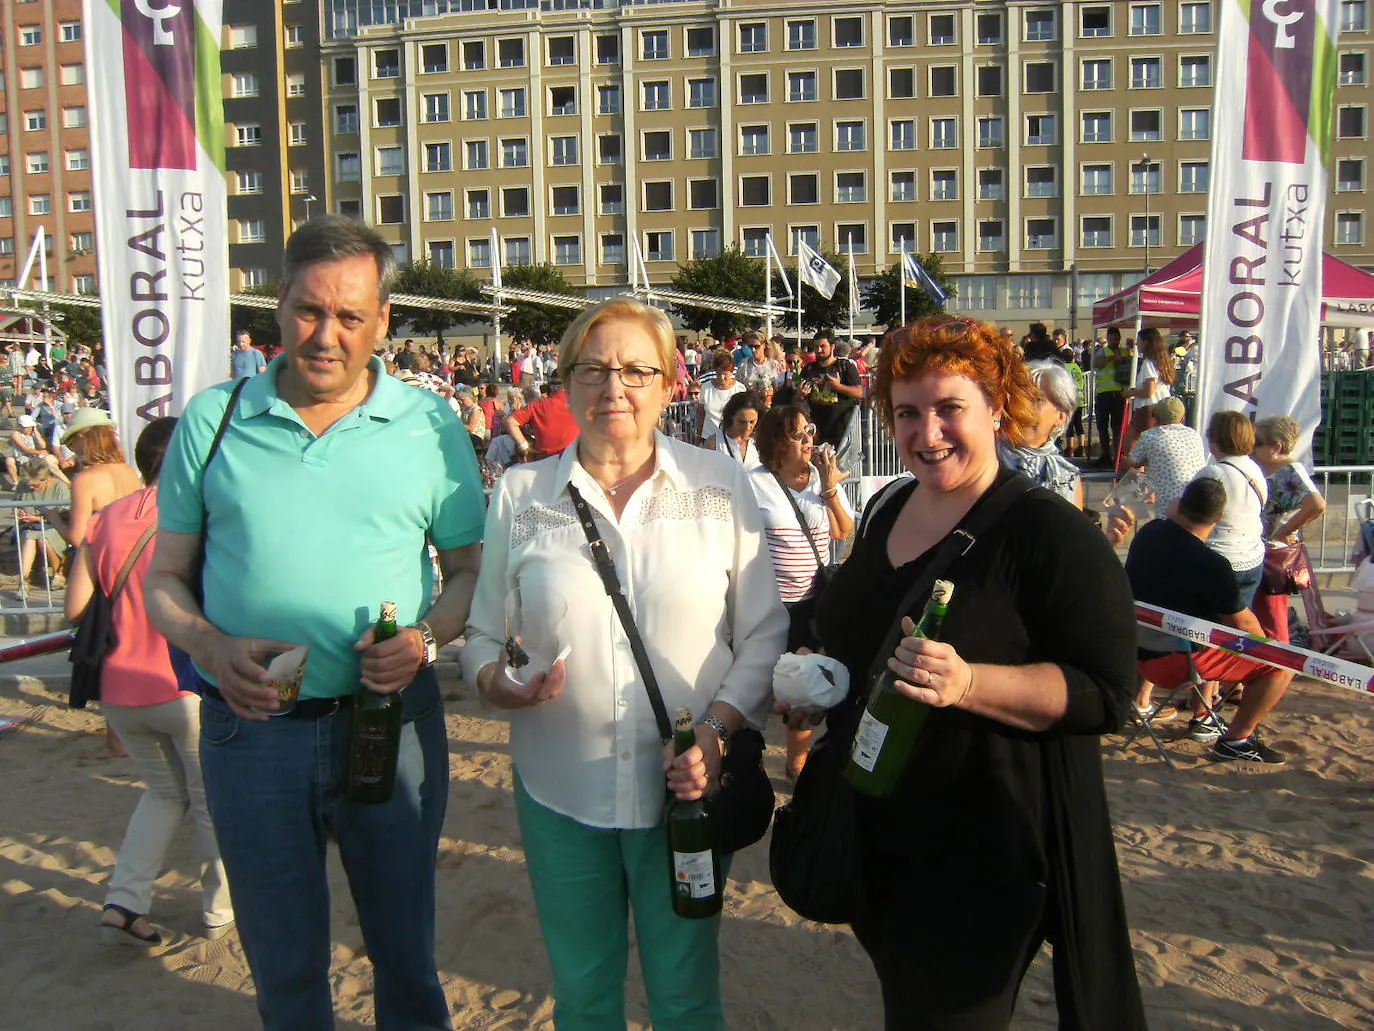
[[1346, 433]]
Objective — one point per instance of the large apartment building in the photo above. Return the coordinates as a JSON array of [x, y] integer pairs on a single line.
[[1041, 148], [45, 157]]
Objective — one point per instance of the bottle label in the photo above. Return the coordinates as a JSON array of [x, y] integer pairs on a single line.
[[868, 742], [695, 874]]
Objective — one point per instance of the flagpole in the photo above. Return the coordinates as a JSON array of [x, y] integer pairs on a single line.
[[901, 280], [496, 298], [799, 297], [768, 292], [852, 291]]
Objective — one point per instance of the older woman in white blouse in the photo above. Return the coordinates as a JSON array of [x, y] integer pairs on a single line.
[[685, 535]]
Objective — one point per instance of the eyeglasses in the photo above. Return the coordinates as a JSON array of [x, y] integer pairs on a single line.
[[594, 374], [694, 393], [807, 432]]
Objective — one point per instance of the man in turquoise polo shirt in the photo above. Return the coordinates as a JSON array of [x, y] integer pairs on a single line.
[[329, 483]]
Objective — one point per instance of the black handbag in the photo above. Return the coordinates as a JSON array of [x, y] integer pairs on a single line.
[[814, 857], [802, 614], [95, 632], [743, 806]]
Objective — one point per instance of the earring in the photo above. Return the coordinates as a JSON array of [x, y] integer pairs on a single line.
[[997, 424]]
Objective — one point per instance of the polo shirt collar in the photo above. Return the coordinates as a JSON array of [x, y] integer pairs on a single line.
[[667, 471], [386, 401]]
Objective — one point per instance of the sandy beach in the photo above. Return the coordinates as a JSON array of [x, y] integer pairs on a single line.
[[1250, 894]]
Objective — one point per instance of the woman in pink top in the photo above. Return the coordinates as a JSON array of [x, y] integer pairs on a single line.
[[159, 724]]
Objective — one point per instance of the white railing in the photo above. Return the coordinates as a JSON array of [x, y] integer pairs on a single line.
[[42, 593]]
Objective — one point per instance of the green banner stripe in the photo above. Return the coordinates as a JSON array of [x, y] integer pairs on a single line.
[[209, 94], [1322, 110]]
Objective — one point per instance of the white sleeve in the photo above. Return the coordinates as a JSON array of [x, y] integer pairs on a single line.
[[486, 629]]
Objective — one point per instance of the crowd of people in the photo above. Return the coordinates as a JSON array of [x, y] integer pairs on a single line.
[[998, 836]]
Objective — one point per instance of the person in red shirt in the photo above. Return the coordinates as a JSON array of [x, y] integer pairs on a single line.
[[551, 423]]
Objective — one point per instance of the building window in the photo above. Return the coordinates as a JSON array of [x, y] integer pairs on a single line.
[[848, 32], [703, 143], [990, 81], [1145, 177], [1350, 122], [944, 80], [1194, 177], [40, 204], [658, 145], [1041, 26], [515, 201], [1354, 16], [241, 84], [348, 169], [1145, 231], [1095, 231], [609, 149], [705, 243], [801, 86], [803, 188], [441, 253], [439, 157], [754, 241], [517, 250], [476, 154], [73, 117], [252, 230], [755, 191], [247, 135], [703, 194], [1042, 234], [1349, 227], [944, 133], [802, 138], [1352, 68], [478, 204], [701, 42], [474, 55], [36, 163], [902, 186], [510, 53], [562, 100], [1191, 229], [567, 250], [902, 237], [852, 237], [345, 71], [944, 236], [1195, 123], [562, 50], [852, 188], [944, 184], [515, 153], [1040, 77], [658, 245], [513, 102], [72, 75], [701, 93], [296, 135], [1097, 126], [436, 106], [391, 161], [1095, 22], [612, 249], [849, 84], [850, 136], [439, 206], [1145, 19], [608, 99], [992, 184], [1096, 180], [608, 49], [1147, 125], [1195, 70], [1096, 74], [79, 200], [992, 235], [1042, 181], [612, 198], [295, 84], [654, 45], [753, 37], [479, 254], [801, 34], [81, 242], [70, 31], [991, 131], [901, 83], [386, 64], [753, 88], [475, 105], [655, 96], [1041, 130], [902, 134], [1349, 175], [942, 30], [989, 28], [1029, 292], [78, 160], [753, 140], [563, 150], [387, 112], [294, 37], [299, 180], [901, 31], [1195, 17]]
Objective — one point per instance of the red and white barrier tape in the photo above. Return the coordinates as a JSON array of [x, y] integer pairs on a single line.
[[1341, 672]]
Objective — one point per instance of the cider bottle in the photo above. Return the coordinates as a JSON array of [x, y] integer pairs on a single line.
[[375, 743], [891, 723], [694, 851]]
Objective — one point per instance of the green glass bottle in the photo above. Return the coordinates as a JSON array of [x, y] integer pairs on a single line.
[[693, 848], [891, 722], [376, 734]]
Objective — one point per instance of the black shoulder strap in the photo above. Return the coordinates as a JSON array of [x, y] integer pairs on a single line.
[[877, 501], [601, 555], [224, 422], [801, 519], [198, 585]]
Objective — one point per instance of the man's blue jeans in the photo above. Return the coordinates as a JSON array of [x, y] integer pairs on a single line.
[[275, 793]]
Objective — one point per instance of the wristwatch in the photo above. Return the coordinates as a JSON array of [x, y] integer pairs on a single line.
[[431, 645], [715, 723]]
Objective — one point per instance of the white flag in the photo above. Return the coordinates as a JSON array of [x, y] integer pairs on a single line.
[[815, 271]]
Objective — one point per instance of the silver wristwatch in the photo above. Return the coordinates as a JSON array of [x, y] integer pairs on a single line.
[[431, 645], [715, 723]]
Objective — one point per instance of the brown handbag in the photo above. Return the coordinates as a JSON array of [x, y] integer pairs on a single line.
[[1286, 569]]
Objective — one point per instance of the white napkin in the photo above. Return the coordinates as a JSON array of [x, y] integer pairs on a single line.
[[810, 681]]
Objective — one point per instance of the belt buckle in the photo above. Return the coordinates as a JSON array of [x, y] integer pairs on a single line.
[[335, 706]]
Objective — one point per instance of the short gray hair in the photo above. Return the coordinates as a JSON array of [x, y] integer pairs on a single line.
[[332, 238], [1054, 383]]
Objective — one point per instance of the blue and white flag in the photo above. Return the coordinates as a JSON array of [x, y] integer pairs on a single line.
[[914, 275], [815, 271]]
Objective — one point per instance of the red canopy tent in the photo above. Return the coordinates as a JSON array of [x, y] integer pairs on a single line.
[[1173, 294]]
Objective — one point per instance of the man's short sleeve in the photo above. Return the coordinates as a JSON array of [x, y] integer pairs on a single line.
[[459, 512], [180, 506], [849, 374]]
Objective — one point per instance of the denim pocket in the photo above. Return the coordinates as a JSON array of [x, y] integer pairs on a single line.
[[218, 724], [421, 696]]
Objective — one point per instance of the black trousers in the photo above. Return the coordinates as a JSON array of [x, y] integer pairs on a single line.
[[1111, 407]]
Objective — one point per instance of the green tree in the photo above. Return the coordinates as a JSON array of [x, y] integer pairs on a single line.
[[819, 312], [540, 323], [81, 324], [260, 322], [729, 274], [882, 293], [430, 280]]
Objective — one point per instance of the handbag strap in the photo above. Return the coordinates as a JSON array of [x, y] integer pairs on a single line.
[[128, 565], [224, 422], [1246, 477], [801, 519], [601, 556]]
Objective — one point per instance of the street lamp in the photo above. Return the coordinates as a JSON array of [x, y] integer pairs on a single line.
[[1145, 184], [310, 198]]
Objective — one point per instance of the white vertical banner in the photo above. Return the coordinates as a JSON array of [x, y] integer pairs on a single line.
[[1262, 265], [157, 160]]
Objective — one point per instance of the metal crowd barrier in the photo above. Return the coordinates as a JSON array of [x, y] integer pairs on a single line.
[[43, 592]]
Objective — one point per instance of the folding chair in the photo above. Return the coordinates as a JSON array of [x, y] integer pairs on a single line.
[[1190, 688]]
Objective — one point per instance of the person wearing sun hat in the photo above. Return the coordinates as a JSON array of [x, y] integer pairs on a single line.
[[1170, 453]]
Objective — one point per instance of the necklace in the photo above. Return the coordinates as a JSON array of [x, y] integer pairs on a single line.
[[611, 490]]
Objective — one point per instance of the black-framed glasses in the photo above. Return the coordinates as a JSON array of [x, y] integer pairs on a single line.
[[594, 374], [805, 433]]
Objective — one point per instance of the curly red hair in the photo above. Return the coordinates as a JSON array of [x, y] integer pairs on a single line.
[[960, 347]]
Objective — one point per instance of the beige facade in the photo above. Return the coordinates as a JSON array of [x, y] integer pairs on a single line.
[[45, 158], [1017, 140]]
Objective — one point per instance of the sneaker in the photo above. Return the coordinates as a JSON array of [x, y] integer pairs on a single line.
[[1206, 728], [1250, 749], [1158, 712]]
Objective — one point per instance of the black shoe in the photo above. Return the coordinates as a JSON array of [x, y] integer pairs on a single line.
[[1250, 749]]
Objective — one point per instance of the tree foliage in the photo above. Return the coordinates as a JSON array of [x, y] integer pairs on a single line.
[[81, 324], [818, 312], [729, 274], [260, 322], [540, 323], [430, 280], [882, 294]]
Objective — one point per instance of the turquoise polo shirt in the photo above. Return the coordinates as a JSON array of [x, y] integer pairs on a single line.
[[308, 535]]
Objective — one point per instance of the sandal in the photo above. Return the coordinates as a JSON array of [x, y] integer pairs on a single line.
[[123, 933]]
